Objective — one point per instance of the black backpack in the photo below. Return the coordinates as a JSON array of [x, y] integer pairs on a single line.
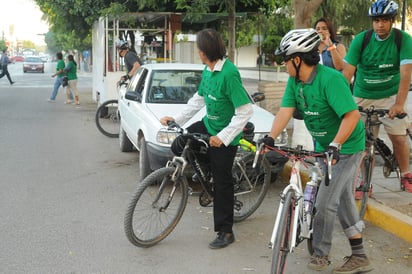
[[368, 34], [367, 38]]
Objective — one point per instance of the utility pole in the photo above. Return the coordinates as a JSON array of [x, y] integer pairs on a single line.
[[403, 14]]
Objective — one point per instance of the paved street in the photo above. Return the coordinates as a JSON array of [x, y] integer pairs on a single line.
[[65, 188]]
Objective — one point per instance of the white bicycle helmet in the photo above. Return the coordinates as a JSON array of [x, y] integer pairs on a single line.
[[383, 8], [298, 41], [121, 44]]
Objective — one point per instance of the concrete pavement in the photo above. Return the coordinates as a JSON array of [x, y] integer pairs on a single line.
[[389, 208]]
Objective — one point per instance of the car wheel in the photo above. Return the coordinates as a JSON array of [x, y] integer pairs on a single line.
[[144, 165], [125, 144]]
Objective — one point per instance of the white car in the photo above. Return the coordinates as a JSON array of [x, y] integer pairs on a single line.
[[159, 90]]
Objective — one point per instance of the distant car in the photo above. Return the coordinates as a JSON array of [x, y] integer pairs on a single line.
[[157, 90], [33, 64], [17, 58]]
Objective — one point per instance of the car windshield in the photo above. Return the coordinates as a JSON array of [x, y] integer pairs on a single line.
[[33, 60], [173, 87]]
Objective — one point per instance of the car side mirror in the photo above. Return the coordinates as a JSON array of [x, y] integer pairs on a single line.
[[133, 96]]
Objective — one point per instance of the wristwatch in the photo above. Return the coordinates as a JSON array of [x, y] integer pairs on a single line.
[[337, 145]]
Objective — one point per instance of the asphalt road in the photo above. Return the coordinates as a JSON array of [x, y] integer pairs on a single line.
[[65, 188]]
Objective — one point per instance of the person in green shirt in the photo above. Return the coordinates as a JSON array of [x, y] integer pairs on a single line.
[[71, 71], [59, 73], [323, 98], [228, 109], [383, 77]]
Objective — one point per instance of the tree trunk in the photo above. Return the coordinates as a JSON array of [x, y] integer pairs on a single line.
[[231, 8], [304, 10]]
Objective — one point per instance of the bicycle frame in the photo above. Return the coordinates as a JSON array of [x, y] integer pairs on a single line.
[[296, 185], [302, 219]]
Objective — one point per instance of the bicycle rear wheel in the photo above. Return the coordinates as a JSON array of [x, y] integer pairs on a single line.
[[251, 186], [107, 119], [155, 208], [362, 184], [281, 247]]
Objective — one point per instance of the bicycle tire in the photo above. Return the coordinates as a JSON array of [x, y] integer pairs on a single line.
[[362, 184], [107, 118], [147, 222], [248, 198], [281, 246]]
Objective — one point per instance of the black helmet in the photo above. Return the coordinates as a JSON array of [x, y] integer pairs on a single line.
[[383, 8]]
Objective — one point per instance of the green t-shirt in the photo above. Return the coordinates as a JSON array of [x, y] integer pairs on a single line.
[[60, 66], [378, 74], [71, 69], [323, 101], [223, 92]]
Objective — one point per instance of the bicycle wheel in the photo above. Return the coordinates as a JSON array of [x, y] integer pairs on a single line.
[[107, 119], [281, 246], [251, 186], [362, 184], [155, 208]]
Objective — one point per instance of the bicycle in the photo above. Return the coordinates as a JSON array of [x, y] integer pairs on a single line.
[[293, 223], [363, 175], [160, 199], [107, 116]]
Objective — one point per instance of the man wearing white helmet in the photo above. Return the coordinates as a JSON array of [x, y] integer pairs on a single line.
[[323, 98], [383, 76], [131, 59]]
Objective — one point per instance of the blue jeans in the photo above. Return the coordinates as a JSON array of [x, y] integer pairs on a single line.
[[57, 84], [337, 199]]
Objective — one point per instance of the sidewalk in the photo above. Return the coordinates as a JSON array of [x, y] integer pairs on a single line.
[[389, 208]]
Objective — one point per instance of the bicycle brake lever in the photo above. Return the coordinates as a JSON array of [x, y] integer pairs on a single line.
[[257, 154], [329, 159]]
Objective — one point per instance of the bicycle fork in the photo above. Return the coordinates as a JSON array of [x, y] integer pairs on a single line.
[[294, 181]]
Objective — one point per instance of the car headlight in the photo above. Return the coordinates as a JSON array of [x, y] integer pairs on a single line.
[[165, 136]]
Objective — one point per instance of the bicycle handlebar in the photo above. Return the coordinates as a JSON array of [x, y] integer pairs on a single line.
[[381, 112], [297, 153], [204, 138]]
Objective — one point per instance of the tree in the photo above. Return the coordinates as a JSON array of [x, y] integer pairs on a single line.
[[304, 10]]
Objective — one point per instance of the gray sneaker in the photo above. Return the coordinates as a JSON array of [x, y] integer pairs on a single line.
[[354, 264], [318, 262]]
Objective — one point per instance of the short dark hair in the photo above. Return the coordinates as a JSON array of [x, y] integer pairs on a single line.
[[59, 55], [311, 58], [211, 44]]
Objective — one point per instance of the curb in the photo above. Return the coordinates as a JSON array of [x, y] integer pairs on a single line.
[[376, 213], [388, 219]]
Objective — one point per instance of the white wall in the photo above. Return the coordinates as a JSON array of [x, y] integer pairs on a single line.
[[186, 52]]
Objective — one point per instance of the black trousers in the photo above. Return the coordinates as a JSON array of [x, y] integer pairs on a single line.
[[221, 163], [5, 71]]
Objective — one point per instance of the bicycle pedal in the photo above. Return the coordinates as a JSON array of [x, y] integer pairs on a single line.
[[205, 199]]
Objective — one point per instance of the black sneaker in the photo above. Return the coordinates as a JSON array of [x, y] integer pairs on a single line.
[[222, 240]]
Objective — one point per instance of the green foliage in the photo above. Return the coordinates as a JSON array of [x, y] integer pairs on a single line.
[[2, 45]]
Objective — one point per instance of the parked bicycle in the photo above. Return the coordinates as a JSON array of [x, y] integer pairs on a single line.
[[107, 116], [293, 222], [363, 179], [160, 199]]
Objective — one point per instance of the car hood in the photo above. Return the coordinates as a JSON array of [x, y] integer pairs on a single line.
[[262, 119]]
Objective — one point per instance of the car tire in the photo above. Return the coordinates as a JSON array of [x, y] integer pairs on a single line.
[[144, 165], [125, 144]]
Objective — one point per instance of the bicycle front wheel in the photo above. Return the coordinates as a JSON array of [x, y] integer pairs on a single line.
[[251, 186], [362, 184], [107, 119], [281, 246], [156, 207]]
